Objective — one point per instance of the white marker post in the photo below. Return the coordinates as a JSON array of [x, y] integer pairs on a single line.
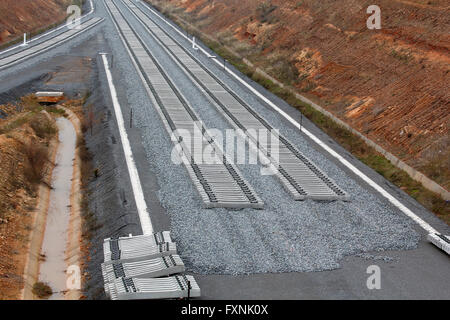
[[24, 39], [194, 45]]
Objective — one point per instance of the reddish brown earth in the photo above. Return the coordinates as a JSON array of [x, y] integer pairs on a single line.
[[20, 16], [392, 85], [19, 187]]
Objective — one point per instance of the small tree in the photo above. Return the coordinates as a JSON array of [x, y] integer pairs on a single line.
[[42, 290]]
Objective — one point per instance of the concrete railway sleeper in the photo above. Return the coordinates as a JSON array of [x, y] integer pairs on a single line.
[[153, 268], [178, 286]]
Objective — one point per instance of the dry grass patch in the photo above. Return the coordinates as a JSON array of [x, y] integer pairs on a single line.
[[36, 160]]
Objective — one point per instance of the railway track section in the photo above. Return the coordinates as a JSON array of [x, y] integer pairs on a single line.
[[298, 174], [219, 184], [44, 46]]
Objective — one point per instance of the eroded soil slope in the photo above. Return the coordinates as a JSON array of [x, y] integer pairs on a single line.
[[25, 162], [392, 85], [20, 16]]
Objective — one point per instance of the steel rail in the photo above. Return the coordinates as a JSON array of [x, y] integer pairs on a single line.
[[45, 46], [299, 175], [219, 184]]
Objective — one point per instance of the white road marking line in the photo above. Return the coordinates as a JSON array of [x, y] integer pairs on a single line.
[[364, 177], [138, 193]]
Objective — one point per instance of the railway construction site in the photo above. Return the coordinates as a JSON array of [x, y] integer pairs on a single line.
[[188, 180]]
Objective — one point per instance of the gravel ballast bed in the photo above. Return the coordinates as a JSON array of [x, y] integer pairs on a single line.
[[287, 235]]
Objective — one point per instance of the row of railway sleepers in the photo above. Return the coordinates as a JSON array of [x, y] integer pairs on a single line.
[[299, 175], [145, 267], [219, 184]]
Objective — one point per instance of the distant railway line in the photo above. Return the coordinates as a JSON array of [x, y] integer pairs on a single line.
[[54, 41]]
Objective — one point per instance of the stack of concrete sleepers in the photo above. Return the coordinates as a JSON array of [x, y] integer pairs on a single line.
[[141, 267], [152, 268], [143, 247], [144, 253], [178, 286]]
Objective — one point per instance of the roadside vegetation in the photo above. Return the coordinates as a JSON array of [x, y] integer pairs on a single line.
[[25, 136], [27, 131], [344, 137], [42, 290]]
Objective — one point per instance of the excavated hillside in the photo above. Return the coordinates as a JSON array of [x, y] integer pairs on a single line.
[[392, 84], [29, 16]]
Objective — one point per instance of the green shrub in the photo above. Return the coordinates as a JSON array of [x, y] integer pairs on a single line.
[[42, 126], [42, 290], [37, 157]]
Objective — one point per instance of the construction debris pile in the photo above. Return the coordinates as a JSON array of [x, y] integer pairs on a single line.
[[145, 267]]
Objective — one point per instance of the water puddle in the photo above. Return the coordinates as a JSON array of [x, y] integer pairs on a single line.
[[53, 269]]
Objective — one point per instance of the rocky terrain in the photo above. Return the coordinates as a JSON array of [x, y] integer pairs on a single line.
[[25, 137], [391, 84]]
